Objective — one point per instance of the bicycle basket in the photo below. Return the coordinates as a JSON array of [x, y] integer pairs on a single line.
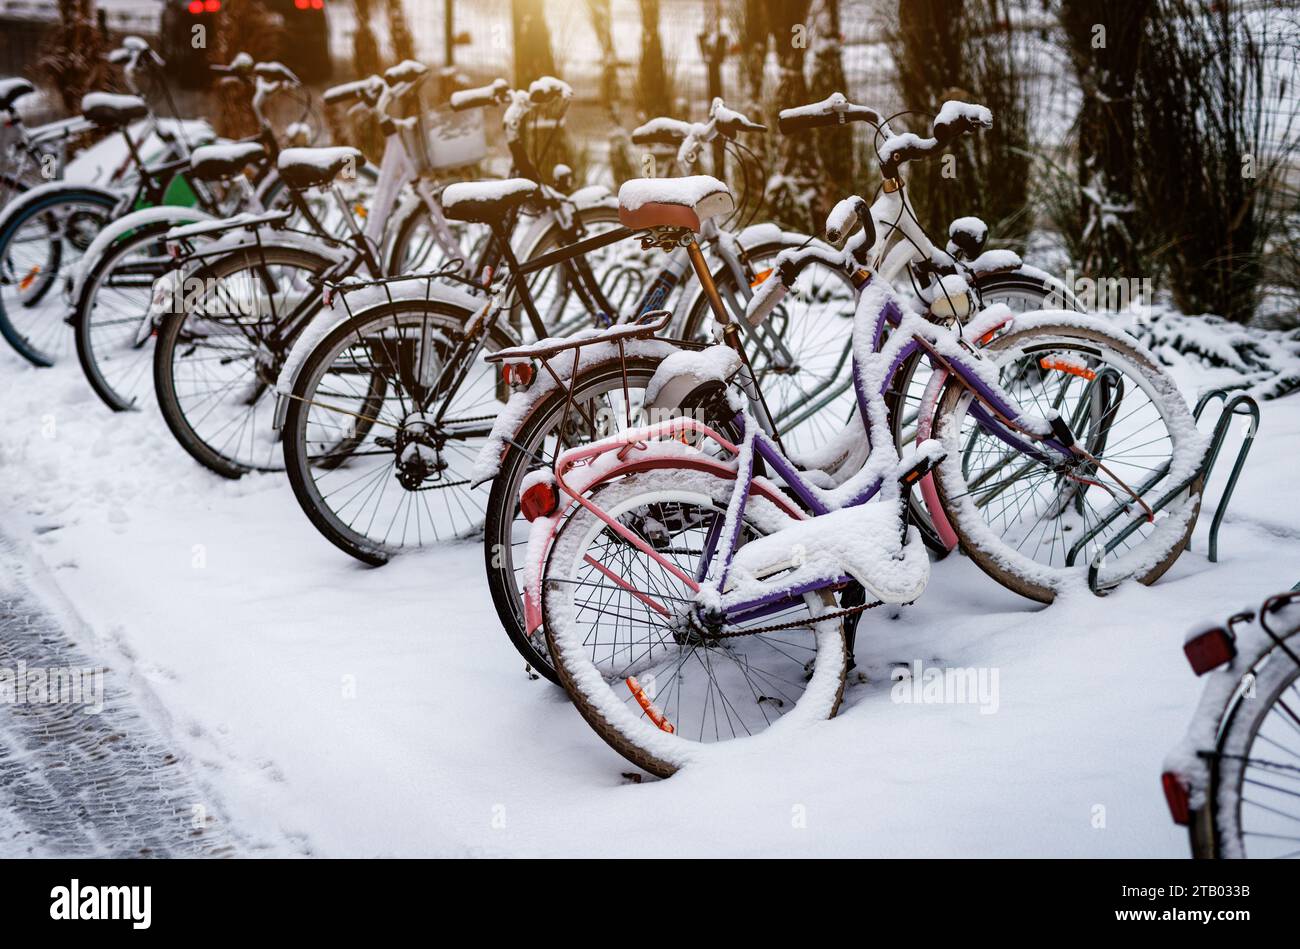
[[453, 139]]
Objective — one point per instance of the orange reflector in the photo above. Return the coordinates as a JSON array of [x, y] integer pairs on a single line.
[[1066, 365], [984, 340], [760, 277], [28, 280], [651, 710], [361, 211]]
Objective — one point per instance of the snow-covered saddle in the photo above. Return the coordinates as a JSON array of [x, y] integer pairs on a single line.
[[11, 90], [485, 201], [687, 202], [109, 110], [303, 168], [215, 162]]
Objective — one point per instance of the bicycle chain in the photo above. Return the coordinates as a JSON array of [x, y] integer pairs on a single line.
[[797, 624]]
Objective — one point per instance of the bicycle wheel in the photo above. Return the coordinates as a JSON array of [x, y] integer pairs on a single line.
[[39, 250], [802, 354], [1022, 293], [658, 686], [1255, 786], [1035, 527], [600, 409], [619, 269], [114, 302], [377, 447], [216, 361]]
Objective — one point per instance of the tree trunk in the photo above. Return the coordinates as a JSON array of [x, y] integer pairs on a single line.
[[834, 145], [403, 42], [533, 56], [74, 58], [602, 26], [654, 94], [1105, 37], [798, 196]]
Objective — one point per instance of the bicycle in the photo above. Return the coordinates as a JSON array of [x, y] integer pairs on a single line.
[[324, 393], [257, 282], [44, 231], [610, 384], [1234, 778], [113, 285], [697, 561]]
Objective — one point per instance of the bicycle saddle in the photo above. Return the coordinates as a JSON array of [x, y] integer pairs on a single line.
[[11, 90], [214, 162], [485, 202], [303, 168], [687, 202], [110, 110]]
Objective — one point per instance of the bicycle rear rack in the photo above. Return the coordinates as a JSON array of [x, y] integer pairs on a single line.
[[1240, 404]]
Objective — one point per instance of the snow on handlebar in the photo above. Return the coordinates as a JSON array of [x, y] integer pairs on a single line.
[[954, 119], [789, 264]]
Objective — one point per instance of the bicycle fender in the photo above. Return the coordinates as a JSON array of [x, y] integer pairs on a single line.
[[41, 193], [541, 535], [357, 305], [165, 214]]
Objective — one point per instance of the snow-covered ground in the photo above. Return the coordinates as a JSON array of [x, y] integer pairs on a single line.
[[330, 709]]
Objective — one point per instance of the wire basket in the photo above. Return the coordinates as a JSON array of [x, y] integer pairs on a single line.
[[451, 139]]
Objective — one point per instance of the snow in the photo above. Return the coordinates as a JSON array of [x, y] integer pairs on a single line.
[[952, 111], [110, 100], [716, 363], [338, 710], [687, 191], [481, 192], [124, 225], [662, 126]]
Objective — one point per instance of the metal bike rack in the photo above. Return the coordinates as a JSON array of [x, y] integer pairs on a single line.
[[1240, 404]]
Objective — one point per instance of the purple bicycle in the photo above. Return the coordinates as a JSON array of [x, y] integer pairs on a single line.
[[696, 588]]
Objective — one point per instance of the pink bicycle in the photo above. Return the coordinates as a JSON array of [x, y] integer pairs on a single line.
[[689, 599]]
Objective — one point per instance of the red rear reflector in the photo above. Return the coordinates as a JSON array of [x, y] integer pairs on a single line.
[[540, 500], [1180, 808], [301, 4], [195, 7], [211, 6], [317, 4], [517, 375], [1209, 650]]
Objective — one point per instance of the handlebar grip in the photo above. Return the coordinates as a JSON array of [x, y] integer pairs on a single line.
[[766, 298], [548, 89], [957, 118], [361, 90], [835, 109], [789, 264], [276, 72], [408, 70], [661, 131], [844, 215], [478, 98]]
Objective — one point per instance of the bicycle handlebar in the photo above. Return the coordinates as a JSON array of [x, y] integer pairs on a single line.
[[954, 119], [661, 131], [835, 109], [493, 94], [367, 91]]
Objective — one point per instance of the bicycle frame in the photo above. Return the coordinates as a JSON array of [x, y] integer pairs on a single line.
[[992, 407]]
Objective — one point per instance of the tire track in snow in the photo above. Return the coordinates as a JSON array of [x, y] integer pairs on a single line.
[[77, 784]]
